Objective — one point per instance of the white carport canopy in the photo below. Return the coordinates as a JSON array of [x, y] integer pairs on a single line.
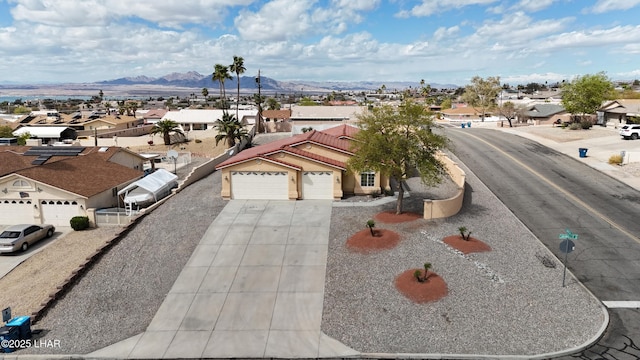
[[152, 182], [41, 131]]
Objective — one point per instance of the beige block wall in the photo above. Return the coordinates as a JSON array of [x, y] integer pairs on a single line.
[[436, 209]]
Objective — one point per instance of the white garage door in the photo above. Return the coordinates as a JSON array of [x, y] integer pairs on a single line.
[[13, 212], [268, 185], [317, 185], [59, 212]]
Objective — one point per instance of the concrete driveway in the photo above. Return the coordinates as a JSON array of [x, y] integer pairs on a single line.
[[253, 288], [9, 261]]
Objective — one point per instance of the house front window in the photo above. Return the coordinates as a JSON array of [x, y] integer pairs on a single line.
[[367, 178]]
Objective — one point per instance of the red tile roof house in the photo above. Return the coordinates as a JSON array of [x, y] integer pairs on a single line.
[[42, 189], [311, 165]]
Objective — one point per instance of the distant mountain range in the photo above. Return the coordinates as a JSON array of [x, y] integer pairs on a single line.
[[193, 79]]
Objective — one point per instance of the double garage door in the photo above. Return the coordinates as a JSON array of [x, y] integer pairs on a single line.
[[274, 185]]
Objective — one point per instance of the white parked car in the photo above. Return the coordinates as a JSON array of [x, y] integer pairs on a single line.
[[20, 237], [630, 131]]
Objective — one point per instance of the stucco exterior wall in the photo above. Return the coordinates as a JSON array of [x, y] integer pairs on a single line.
[[436, 209]]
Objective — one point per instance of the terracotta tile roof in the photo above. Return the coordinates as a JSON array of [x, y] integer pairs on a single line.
[[277, 114], [342, 131], [309, 155], [311, 136], [87, 174]]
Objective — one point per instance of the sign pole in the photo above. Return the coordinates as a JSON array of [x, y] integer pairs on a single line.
[[567, 246], [564, 273]]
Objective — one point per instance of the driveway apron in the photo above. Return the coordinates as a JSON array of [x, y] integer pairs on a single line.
[[254, 287]]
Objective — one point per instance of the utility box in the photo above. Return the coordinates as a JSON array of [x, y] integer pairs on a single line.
[[23, 324]]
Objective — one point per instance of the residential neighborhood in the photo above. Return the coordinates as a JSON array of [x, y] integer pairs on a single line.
[[282, 200]]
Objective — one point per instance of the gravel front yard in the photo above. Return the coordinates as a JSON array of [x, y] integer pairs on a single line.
[[500, 302], [120, 295]]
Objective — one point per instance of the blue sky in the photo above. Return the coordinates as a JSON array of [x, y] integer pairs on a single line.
[[440, 41]]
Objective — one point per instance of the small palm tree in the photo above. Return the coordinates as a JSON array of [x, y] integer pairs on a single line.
[[230, 130], [205, 93], [165, 127], [371, 224], [238, 68]]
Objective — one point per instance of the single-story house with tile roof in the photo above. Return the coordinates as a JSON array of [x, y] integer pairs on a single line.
[[311, 165], [618, 112], [51, 184], [461, 113], [203, 119]]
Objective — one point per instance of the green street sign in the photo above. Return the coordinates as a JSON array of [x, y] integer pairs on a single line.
[[568, 235]]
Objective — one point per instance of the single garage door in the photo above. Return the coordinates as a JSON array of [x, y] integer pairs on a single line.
[[59, 212], [18, 211], [317, 185], [267, 185]]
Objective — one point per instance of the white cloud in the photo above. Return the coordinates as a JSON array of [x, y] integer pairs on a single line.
[[605, 38], [533, 5], [171, 13], [603, 6], [430, 7]]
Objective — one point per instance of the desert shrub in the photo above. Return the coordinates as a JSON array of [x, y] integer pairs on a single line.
[[198, 141], [463, 232], [371, 224], [586, 124], [564, 125], [615, 159], [418, 275], [575, 126], [79, 223]]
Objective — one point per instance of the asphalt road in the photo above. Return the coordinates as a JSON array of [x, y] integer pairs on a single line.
[[551, 192]]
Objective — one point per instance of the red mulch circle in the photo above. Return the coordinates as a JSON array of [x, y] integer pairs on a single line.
[[363, 242], [466, 246], [432, 289], [390, 217]]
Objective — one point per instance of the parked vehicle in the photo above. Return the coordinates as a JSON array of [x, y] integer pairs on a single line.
[[20, 237], [630, 131]]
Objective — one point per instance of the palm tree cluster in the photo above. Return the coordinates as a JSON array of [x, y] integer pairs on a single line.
[[221, 74], [230, 129]]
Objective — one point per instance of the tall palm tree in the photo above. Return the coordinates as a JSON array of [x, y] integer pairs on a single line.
[[238, 68], [165, 127], [205, 93], [221, 74], [230, 130]]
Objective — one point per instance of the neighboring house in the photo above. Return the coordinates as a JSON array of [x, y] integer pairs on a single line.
[[48, 134], [51, 184], [195, 119], [546, 113], [618, 112], [276, 115], [314, 114], [153, 116], [109, 123], [466, 113], [311, 165]]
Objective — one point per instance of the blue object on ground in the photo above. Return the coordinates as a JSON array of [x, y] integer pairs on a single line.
[[23, 324], [583, 152], [462, 125], [8, 333], [469, 124]]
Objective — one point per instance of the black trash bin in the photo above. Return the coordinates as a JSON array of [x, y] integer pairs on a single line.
[[23, 324], [11, 334]]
